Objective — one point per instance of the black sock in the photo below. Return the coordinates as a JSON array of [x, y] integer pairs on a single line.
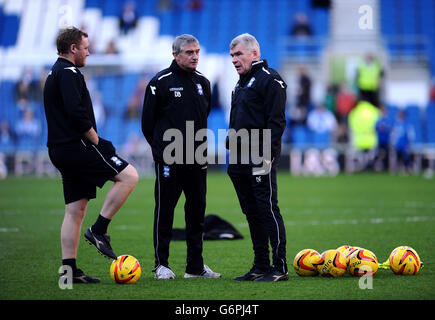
[[71, 263], [100, 226]]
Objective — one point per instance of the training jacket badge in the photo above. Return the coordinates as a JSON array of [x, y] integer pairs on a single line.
[[166, 171], [116, 161], [200, 92]]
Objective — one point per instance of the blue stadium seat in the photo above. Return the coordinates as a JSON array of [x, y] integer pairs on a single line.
[[300, 136], [112, 8], [2, 17], [10, 112], [409, 18], [392, 112], [146, 8], [109, 87], [429, 123], [111, 130], [9, 30], [93, 4], [321, 140], [129, 82], [427, 14], [216, 120], [131, 125]]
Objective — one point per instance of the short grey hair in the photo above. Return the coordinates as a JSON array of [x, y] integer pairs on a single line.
[[248, 42], [181, 41]]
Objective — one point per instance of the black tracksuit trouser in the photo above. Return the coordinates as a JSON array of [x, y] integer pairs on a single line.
[[257, 195], [171, 180]]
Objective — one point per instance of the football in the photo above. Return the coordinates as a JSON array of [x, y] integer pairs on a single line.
[[405, 260], [125, 269], [349, 251], [343, 248], [332, 264], [362, 262], [305, 262]]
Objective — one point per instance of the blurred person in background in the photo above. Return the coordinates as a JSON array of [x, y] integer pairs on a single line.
[[401, 136], [384, 127], [128, 18], [85, 160], [195, 5], [111, 48], [28, 129], [7, 135], [345, 101], [25, 89], [432, 91], [362, 125], [369, 79], [301, 27], [303, 97], [135, 102], [321, 120], [3, 167]]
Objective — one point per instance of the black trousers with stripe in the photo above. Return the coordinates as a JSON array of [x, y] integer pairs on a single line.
[[257, 195], [171, 181]]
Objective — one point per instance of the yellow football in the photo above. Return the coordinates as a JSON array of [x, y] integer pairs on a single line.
[[125, 269], [363, 262], [332, 264], [405, 260], [303, 262]]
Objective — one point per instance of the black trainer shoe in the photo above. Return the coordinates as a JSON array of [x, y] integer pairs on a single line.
[[273, 276], [251, 275], [80, 277], [101, 242]]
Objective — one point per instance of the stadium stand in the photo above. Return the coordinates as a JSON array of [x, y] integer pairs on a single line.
[[408, 28]]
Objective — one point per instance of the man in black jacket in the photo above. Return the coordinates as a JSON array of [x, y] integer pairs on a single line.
[[84, 160], [177, 104], [258, 105]]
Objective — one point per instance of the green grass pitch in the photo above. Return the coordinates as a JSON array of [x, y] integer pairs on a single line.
[[375, 211]]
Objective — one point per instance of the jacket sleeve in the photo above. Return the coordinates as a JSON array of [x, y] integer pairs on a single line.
[[275, 100], [71, 87], [209, 97], [149, 110]]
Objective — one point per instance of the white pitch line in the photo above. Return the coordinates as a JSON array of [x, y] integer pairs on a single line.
[[292, 223], [362, 221], [9, 230]]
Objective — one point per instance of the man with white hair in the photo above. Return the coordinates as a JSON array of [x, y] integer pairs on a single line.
[[258, 103]]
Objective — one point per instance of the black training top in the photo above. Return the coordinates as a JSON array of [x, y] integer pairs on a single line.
[[258, 102], [173, 97], [68, 106]]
